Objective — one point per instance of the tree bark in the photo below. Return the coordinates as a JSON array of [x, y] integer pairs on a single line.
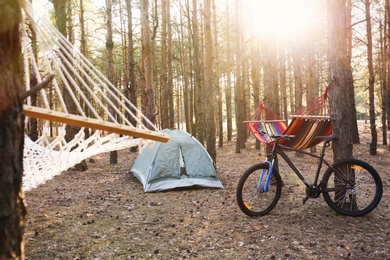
[[239, 88], [198, 86], [186, 92], [228, 87], [62, 9], [60, 14], [83, 50], [131, 89], [171, 107], [209, 86], [217, 77], [148, 106], [192, 83], [164, 102], [255, 72], [33, 122], [371, 82], [12, 209], [385, 82], [354, 128], [387, 90], [110, 66], [312, 89], [283, 82], [297, 64], [271, 91], [383, 87], [339, 76]]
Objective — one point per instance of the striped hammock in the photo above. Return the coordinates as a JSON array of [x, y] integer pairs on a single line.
[[307, 123]]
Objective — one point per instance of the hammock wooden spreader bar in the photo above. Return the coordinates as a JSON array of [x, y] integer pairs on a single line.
[[50, 115]]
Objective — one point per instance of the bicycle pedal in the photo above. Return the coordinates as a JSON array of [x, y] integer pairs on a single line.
[[305, 199]]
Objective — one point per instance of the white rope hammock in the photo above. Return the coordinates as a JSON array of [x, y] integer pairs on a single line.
[[108, 108]]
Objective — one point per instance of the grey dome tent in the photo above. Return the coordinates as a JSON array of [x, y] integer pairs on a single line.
[[180, 162]]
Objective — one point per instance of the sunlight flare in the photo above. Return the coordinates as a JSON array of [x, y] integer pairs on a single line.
[[283, 18]]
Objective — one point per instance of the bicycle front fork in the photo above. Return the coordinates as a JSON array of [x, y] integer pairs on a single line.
[[263, 188]]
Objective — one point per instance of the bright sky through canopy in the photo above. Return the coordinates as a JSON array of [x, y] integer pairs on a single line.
[[283, 18]]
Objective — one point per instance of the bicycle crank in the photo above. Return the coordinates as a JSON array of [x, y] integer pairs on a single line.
[[311, 192]]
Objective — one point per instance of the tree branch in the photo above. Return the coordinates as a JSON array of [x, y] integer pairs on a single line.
[[36, 88]]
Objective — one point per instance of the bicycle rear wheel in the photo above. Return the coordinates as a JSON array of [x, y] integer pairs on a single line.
[[252, 198], [352, 187]]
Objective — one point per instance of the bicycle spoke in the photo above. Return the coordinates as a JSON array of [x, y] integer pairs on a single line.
[[256, 194], [352, 188]]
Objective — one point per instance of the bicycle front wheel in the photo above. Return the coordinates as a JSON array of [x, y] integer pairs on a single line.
[[352, 187], [255, 197]]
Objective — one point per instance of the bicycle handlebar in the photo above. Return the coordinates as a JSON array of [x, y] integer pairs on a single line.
[[276, 137], [287, 137]]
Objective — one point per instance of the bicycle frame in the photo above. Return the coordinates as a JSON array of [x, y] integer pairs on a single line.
[[277, 149], [350, 187]]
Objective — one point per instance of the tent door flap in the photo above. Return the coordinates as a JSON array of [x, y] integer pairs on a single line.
[[183, 170]]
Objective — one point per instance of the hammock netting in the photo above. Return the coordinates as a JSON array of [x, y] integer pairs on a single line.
[[92, 102], [307, 123]]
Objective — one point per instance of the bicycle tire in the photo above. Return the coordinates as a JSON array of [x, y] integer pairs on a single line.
[[250, 199], [352, 187]]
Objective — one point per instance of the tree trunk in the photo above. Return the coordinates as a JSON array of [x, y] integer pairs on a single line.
[[384, 84], [387, 90], [110, 66], [198, 87], [131, 89], [12, 209], [371, 82], [167, 104], [186, 92], [228, 87], [83, 39], [255, 74], [291, 85], [164, 107], [60, 14], [297, 64], [123, 83], [354, 128], [312, 90], [340, 80], [255, 70], [217, 78], [271, 91], [191, 93], [209, 89], [171, 106], [339, 76], [239, 88], [148, 106], [33, 122], [83, 50], [282, 76], [62, 9]]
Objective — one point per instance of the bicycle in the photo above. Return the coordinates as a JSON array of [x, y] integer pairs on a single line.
[[350, 187]]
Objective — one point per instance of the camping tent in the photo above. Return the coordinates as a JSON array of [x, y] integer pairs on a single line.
[[180, 162]]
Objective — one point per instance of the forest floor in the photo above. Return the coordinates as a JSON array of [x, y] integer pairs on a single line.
[[103, 213]]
